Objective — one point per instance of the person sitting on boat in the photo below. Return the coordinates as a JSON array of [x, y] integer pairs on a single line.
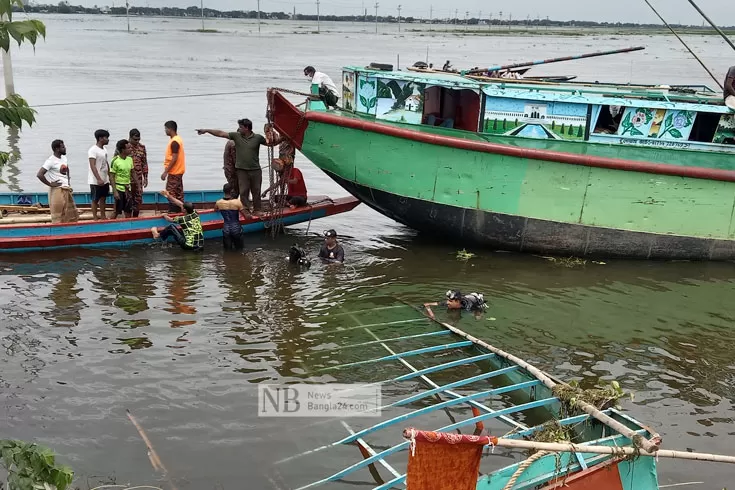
[[457, 301], [231, 207], [327, 89], [296, 187], [730, 88], [447, 66], [122, 174], [230, 159], [286, 149], [331, 252], [185, 230], [55, 174]]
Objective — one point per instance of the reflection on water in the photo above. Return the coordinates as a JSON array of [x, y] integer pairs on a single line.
[[181, 339]]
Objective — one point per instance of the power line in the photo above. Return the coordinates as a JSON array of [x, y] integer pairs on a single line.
[[110, 101]]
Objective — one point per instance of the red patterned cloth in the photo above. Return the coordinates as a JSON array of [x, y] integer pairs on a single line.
[[444, 461]]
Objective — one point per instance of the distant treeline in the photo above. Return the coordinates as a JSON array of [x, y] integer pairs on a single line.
[[194, 11]]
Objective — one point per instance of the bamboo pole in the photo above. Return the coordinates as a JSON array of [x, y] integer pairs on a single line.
[[685, 44], [616, 451], [650, 446], [719, 31]]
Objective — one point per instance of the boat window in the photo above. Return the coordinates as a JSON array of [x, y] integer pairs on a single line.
[[609, 120], [725, 132], [448, 108], [705, 127]]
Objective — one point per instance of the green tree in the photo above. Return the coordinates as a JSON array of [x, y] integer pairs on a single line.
[[30, 466], [14, 110]]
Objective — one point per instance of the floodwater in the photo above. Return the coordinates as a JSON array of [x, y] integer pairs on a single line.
[[182, 341]]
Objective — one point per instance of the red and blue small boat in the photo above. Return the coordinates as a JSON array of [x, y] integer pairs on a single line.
[[26, 225]]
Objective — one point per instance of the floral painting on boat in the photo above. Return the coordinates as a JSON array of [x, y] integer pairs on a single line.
[[348, 90], [642, 122], [367, 95], [400, 101]]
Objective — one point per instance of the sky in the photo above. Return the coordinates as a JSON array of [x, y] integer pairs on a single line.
[[674, 11]]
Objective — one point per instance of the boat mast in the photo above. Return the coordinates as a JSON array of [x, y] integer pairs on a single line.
[[685, 45]]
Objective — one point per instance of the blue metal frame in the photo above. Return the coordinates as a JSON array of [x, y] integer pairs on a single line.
[[416, 352]]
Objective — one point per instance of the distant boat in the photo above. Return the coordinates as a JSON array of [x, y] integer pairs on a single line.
[[26, 222], [573, 169]]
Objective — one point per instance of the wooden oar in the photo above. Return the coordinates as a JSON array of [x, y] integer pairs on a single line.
[[553, 60], [651, 445]]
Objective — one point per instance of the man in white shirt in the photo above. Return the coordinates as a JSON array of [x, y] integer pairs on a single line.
[[55, 174], [327, 89], [98, 176]]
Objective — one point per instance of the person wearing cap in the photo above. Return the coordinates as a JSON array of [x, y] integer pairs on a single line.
[[331, 252], [327, 89], [456, 301]]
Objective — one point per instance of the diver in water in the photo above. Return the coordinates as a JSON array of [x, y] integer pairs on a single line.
[[456, 301]]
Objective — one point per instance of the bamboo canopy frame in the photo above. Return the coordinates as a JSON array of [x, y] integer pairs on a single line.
[[620, 451], [649, 445]]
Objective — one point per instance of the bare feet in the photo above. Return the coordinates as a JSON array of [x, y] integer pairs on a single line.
[[291, 206], [154, 232]]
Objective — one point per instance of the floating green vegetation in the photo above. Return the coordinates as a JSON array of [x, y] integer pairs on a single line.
[[569, 262], [203, 31], [551, 432], [464, 255], [602, 397]]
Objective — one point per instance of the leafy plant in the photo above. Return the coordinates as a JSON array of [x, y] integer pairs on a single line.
[[32, 467], [14, 110], [675, 122], [464, 255]]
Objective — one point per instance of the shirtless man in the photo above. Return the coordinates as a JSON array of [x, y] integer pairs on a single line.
[[231, 207]]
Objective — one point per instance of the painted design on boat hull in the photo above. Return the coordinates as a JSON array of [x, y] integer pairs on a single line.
[[522, 234]]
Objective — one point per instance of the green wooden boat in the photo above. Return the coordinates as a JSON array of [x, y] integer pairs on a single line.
[[473, 393], [582, 169]]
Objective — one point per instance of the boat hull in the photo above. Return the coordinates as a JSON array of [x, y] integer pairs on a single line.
[[523, 234], [474, 189], [122, 233]]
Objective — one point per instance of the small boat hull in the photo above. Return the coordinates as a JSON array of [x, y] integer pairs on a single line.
[[123, 233]]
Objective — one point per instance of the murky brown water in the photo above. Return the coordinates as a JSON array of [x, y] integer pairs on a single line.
[[182, 341]]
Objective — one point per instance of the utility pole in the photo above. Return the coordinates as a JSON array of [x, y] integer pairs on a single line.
[[7, 68], [258, 17], [376, 17], [456, 16], [466, 21], [317, 16], [431, 17], [479, 17], [399, 17], [293, 17], [510, 19], [127, 14], [202, 4]]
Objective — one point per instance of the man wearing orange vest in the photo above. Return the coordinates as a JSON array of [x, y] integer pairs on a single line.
[[174, 165]]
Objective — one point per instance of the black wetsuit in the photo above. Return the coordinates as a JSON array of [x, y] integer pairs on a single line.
[[232, 237]]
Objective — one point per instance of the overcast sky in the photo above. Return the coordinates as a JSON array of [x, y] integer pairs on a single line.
[[674, 11]]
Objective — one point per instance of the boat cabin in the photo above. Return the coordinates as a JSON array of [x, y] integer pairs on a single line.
[[672, 117]]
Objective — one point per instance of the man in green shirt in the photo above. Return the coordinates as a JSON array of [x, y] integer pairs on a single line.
[[122, 173], [247, 160]]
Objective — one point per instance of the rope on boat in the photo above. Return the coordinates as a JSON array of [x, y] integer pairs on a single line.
[[523, 467]]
